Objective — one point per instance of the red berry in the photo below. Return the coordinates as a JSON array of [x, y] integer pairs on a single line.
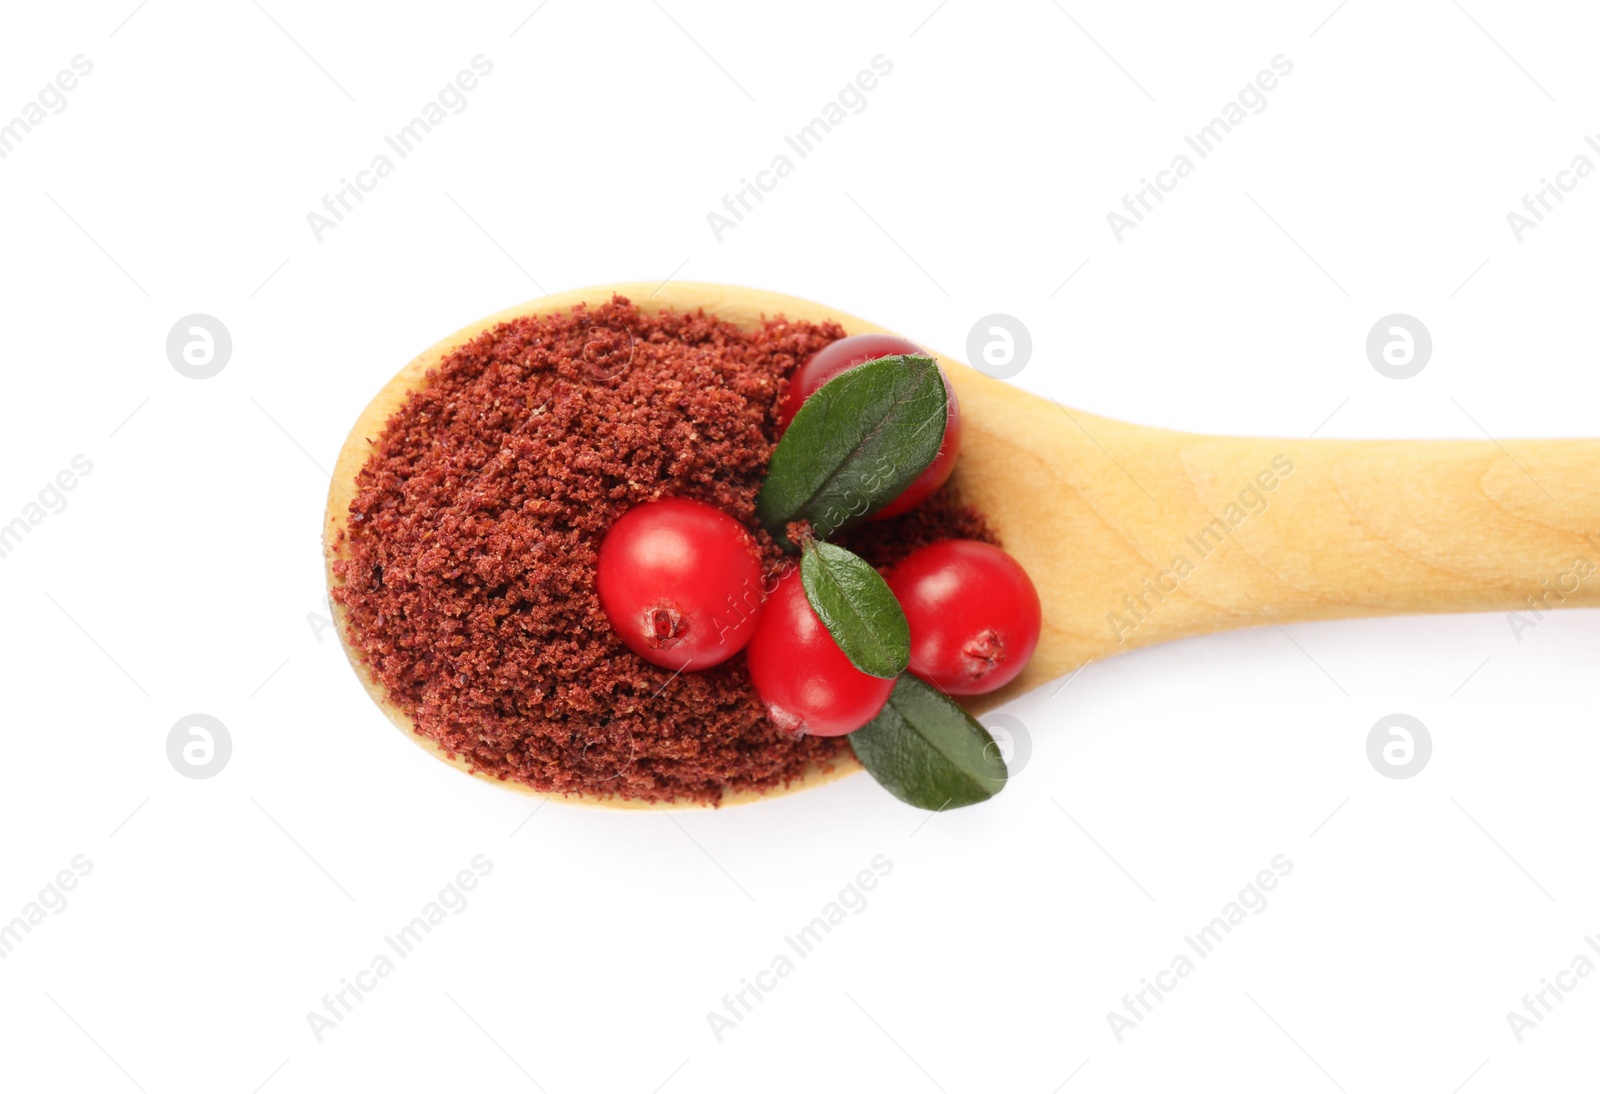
[[847, 353], [680, 580], [973, 612], [806, 681]]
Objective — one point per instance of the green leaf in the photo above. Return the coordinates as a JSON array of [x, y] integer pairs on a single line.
[[858, 609], [927, 751], [855, 445]]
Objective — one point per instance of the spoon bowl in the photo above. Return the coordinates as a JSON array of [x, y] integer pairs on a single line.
[[1135, 535]]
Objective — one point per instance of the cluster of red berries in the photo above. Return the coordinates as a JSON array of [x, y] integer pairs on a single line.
[[682, 584]]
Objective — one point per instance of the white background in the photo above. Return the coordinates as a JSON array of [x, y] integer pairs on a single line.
[[184, 575]]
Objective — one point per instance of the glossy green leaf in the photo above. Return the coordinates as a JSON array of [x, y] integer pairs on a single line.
[[855, 445], [929, 752], [858, 609]]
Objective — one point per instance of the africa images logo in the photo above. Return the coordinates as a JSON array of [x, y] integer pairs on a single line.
[[1252, 99]]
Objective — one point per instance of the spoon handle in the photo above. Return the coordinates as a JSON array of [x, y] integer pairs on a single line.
[[1136, 535], [1359, 528]]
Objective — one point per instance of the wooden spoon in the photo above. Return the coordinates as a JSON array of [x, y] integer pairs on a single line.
[[1136, 535]]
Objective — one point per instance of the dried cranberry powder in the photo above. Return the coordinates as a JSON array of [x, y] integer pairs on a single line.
[[469, 555]]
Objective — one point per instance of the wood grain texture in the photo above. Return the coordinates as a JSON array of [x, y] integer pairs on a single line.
[[1136, 535]]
